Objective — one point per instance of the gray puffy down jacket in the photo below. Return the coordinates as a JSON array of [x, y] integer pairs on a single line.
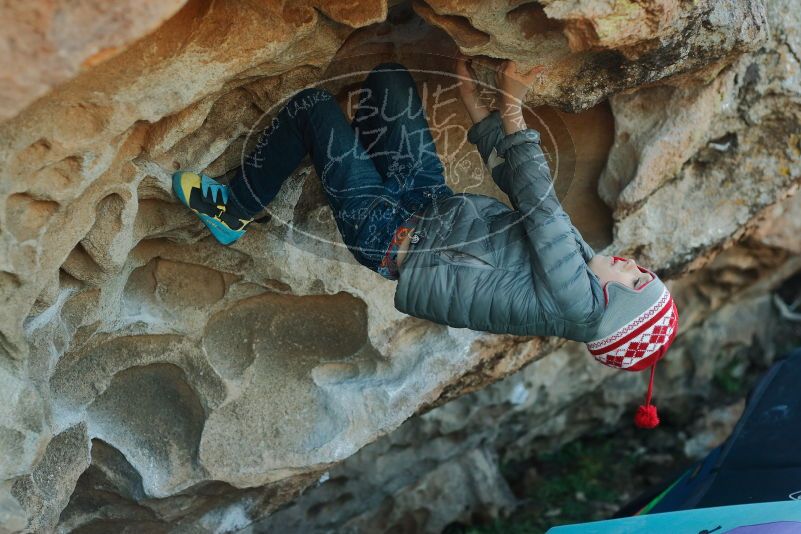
[[483, 266]]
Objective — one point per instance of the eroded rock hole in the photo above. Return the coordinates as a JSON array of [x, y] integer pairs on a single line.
[[94, 259], [108, 224], [82, 266], [531, 19], [153, 416], [458, 26]]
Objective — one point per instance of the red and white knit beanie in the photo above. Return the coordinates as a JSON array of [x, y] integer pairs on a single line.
[[636, 330]]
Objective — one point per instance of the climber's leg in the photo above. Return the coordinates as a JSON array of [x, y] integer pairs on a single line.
[[391, 123], [312, 122]]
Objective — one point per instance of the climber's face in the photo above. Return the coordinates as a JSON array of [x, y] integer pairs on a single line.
[[622, 270]]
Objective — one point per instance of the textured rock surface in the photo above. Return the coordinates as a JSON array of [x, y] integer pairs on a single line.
[[593, 49], [155, 379], [45, 43]]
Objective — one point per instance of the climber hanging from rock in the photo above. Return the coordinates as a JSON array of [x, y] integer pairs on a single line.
[[464, 260]]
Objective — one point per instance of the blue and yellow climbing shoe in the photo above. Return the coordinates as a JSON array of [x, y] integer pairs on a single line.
[[209, 200]]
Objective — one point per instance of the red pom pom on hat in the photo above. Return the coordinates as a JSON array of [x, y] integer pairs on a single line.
[[625, 349], [646, 416]]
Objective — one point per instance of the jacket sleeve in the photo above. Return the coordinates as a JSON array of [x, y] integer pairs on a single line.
[[586, 250], [486, 134], [560, 254]]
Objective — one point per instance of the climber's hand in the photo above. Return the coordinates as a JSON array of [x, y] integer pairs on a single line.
[[468, 88], [512, 84]]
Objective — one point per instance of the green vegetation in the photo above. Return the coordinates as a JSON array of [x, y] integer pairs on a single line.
[[580, 482], [731, 378]]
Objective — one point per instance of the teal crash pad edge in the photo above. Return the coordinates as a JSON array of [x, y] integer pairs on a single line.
[[761, 518]]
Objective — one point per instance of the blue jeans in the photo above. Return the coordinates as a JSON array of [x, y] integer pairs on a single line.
[[376, 171]]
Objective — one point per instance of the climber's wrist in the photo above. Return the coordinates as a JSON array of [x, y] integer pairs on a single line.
[[512, 115], [510, 101], [476, 109]]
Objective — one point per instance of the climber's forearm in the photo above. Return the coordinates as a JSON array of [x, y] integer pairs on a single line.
[[476, 109], [512, 116]]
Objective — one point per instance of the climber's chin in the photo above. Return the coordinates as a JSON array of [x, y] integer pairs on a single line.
[[624, 271]]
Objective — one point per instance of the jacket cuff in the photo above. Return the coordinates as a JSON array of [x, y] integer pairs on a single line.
[[484, 126], [586, 250], [529, 135]]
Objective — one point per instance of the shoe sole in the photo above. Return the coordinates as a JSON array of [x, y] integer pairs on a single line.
[[219, 230]]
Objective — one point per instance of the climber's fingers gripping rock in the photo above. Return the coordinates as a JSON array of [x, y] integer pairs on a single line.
[[468, 88], [512, 83]]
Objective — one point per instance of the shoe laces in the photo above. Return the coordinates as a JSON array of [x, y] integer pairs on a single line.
[[210, 188]]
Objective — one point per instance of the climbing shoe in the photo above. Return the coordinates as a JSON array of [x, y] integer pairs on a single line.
[[209, 199]]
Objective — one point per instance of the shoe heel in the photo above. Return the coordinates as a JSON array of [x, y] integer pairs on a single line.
[[176, 187]]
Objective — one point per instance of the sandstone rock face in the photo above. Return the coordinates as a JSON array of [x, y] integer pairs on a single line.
[[593, 49], [151, 378], [46, 43]]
